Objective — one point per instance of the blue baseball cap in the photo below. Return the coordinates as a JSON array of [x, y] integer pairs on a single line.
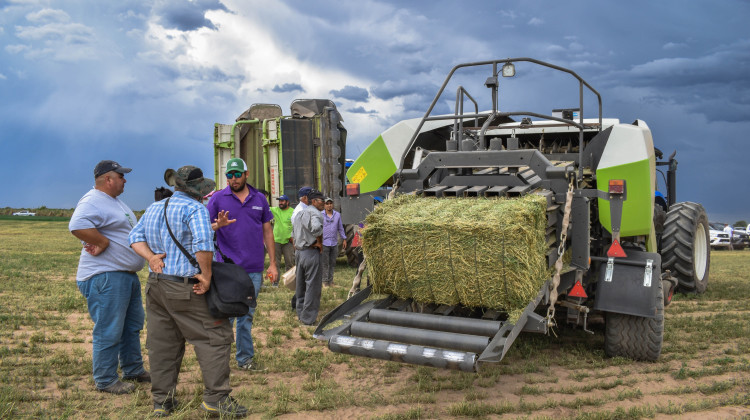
[[304, 191], [284, 197]]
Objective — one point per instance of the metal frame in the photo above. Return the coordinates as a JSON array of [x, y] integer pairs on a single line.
[[495, 112]]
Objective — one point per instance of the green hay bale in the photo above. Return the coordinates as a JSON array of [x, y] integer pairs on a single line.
[[481, 252]]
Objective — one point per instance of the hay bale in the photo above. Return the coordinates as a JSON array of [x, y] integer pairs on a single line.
[[487, 253]]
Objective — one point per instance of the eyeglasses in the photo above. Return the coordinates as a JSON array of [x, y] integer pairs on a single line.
[[230, 175]]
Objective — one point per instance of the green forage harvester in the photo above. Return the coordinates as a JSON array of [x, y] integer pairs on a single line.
[[478, 252]]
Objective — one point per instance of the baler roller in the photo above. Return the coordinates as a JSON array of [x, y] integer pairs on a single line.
[[422, 337], [404, 353], [471, 326]]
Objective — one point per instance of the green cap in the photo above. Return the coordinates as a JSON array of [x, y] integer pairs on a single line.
[[236, 164]]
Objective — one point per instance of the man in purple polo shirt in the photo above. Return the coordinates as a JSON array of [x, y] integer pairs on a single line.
[[243, 241], [332, 230]]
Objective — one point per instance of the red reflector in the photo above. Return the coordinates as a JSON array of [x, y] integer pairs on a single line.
[[577, 290], [356, 241], [616, 186], [352, 189], [615, 250]]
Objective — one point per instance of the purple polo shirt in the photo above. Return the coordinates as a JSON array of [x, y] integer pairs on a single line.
[[332, 228], [242, 241]]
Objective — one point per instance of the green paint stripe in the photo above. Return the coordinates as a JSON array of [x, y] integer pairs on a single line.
[[373, 167], [638, 209]]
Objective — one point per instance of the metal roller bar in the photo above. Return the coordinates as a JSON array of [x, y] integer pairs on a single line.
[[413, 354], [463, 342], [436, 322]]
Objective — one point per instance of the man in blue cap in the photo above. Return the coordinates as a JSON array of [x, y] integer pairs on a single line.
[[303, 201], [282, 234]]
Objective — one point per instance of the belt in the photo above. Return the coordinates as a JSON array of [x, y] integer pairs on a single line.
[[179, 279], [303, 248]]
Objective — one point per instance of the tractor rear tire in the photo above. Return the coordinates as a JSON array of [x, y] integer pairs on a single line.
[[636, 337], [685, 246]]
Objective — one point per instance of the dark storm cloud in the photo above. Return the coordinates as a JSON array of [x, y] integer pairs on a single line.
[[361, 110], [715, 84], [187, 15], [352, 93], [288, 87], [393, 89]]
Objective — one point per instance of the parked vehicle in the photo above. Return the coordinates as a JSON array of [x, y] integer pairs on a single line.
[[24, 213], [740, 239], [719, 238]]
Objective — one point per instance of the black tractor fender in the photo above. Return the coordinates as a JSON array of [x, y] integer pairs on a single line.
[[629, 285]]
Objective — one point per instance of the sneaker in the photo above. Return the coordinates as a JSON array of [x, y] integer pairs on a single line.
[[226, 407], [253, 366], [118, 388], [143, 377], [166, 408]]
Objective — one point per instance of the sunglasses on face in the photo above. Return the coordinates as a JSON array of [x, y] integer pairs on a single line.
[[234, 175]]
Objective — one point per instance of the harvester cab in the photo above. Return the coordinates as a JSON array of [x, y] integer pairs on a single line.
[[603, 250]]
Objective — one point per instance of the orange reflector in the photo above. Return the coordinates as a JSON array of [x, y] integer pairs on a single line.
[[616, 186], [615, 250], [577, 290], [352, 189]]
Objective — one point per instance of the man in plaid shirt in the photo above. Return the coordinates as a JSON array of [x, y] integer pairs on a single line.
[[175, 302]]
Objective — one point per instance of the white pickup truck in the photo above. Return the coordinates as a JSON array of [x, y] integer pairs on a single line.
[[24, 213]]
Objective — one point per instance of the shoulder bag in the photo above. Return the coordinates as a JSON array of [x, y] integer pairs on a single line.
[[232, 293]]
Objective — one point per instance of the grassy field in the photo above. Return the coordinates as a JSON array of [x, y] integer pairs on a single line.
[[45, 357]]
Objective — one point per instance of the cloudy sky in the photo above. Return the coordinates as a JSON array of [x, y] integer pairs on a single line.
[[143, 82]]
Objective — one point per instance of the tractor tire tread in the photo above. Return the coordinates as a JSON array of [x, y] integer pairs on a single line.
[[678, 248]]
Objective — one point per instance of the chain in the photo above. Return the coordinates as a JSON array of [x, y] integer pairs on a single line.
[[560, 252]]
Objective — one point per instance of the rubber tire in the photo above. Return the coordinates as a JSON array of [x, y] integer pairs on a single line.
[[681, 253], [636, 337]]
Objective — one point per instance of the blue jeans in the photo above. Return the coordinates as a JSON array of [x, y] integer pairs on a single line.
[[115, 306], [244, 337]]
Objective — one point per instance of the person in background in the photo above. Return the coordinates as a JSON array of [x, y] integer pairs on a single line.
[[332, 230], [303, 201], [161, 193], [107, 279], [175, 301], [243, 241], [282, 234], [730, 230], [308, 241]]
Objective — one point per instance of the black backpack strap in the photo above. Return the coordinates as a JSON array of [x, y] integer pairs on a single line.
[[190, 258]]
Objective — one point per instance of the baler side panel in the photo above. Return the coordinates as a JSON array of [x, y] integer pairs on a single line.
[[629, 155]]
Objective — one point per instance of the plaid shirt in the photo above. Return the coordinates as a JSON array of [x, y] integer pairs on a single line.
[[190, 223]]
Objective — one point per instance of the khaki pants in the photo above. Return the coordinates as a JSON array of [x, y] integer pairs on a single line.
[[287, 250], [174, 315]]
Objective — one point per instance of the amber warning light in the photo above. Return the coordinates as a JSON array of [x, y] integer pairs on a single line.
[[616, 186], [352, 189]]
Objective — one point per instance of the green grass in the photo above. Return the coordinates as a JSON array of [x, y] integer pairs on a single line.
[[45, 356]]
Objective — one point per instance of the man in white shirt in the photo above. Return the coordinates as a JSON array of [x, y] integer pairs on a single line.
[[107, 279], [730, 230]]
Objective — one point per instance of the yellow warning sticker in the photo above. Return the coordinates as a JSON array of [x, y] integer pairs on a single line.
[[360, 175]]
